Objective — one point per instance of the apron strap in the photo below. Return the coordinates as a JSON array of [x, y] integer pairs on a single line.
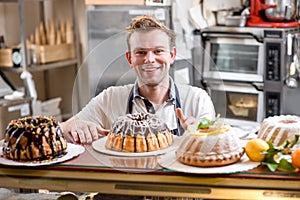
[[179, 131], [130, 102]]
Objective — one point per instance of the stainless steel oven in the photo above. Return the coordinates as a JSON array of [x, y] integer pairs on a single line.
[[233, 56], [238, 102]]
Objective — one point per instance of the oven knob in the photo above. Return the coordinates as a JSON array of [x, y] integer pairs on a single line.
[[270, 75], [270, 63]]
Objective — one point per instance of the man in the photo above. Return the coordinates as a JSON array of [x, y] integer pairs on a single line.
[[151, 52]]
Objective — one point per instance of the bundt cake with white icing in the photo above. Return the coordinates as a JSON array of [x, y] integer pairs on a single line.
[[278, 129], [33, 139], [139, 132], [215, 144]]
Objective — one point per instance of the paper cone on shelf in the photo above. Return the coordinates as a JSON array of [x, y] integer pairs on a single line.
[[58, 37], [48, 31], [51, 34], [37, 39], [63, 31], [42, 34], [69, 32], [31, 39]]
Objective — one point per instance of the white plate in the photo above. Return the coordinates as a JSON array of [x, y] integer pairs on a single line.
[[170, 161], [99, 145], [72, 151], [240, 132]]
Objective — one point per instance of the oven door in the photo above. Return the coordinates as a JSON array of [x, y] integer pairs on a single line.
[[238, 103], [233, 59]]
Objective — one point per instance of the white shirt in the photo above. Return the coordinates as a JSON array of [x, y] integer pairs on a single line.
[[113, 102]]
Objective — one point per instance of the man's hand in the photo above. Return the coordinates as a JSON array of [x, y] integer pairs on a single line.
[[82, 131], [184, 121]]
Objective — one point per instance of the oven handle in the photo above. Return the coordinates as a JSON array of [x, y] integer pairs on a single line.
[[232, 34], [234, 86], [258, 87]]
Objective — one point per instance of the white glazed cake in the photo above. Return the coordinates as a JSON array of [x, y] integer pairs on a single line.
[[216, 145], [278, 129]]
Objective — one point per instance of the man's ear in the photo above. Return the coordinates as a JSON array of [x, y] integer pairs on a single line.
[[173, 55], [128, 57]]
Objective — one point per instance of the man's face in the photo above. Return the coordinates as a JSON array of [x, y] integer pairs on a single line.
[[150, 56]]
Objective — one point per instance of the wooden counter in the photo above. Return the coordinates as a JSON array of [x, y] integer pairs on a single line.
[[92, 172]]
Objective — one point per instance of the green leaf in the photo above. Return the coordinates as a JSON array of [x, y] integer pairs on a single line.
[[204, 123], [295, 141], [285, 165], [274, 156], [271, 146], [270, 155], [286, 144], [270, 159], [272, 166]]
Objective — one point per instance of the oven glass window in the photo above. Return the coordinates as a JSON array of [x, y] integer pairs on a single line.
[[241, 106], [234, 58]]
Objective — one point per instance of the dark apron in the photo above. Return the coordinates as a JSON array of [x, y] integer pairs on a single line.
[[178, 131]]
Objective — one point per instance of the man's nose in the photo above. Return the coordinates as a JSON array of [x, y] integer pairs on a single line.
[[150, 57]]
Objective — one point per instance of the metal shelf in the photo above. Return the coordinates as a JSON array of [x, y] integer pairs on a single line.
[[43, 67], [8, 1]]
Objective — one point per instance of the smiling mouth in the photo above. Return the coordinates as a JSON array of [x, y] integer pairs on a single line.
[[150, 68]]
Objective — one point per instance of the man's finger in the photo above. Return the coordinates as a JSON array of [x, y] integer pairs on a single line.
[[94, 132], [180, 115], [74, 136], [81, 136], [102, 130]]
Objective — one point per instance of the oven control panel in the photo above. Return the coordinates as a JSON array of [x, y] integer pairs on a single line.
[[273, 61], [272, 103]]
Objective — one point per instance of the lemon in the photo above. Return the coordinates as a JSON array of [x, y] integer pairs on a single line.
[[254, 149]]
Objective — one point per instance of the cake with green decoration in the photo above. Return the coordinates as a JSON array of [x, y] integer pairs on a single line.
[[209, 144]]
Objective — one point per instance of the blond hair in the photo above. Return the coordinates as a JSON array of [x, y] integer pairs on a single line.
[[148, 23]]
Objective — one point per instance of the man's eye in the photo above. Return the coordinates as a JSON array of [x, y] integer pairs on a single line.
[[140, 52], [159, 51]]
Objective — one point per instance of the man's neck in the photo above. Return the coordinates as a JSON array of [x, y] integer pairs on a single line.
[[155, 94]]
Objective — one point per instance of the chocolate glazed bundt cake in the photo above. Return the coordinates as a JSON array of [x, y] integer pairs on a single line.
[[139, 132], [33, 139]]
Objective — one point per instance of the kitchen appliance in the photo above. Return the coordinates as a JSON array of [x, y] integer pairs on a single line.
[[282, 52], [237, 100], [234, 54], [285, 10], [251, 64], [275, 14]]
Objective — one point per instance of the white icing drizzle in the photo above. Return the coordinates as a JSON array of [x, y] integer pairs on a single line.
[[279, 128], [144, 124], [220, 143]]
